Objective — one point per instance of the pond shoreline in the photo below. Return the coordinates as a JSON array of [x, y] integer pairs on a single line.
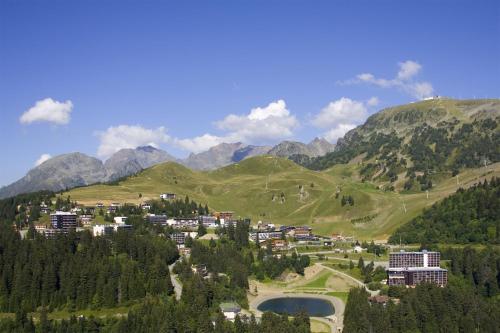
[[335, 321]]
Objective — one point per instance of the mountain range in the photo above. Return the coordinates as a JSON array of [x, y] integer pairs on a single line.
[[77, 169], [402, 148]]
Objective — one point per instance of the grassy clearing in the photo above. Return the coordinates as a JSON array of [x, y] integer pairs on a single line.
[[319, 327], [320, 281], [339, 294], [248, 188], [65, 314]]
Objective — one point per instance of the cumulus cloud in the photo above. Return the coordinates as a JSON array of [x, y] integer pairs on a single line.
[[341, 116], [338, 132], [271, 122], [261, 125], [199, 143], [408, 69], [48, 110], [373, 101], [342, 111], [403, 81], [126, 136], [43, 158]]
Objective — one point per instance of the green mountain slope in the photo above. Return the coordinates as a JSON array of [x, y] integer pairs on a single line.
[[276, 189], [405, 146]]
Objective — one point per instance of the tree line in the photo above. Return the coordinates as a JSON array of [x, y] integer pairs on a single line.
[[469, 216]]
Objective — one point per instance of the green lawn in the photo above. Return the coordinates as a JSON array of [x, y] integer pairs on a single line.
[[320, 281], [339, 294]]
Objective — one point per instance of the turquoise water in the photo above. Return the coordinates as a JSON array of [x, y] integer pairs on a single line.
[[315, 307]]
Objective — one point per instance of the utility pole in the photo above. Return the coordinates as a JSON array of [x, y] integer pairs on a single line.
[[404, 206], [427, 193]]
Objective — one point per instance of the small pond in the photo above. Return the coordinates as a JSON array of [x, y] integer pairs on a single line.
[[315, 307]]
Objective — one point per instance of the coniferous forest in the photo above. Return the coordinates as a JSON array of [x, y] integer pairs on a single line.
[[129, 269], [469, 303], [469, 216]]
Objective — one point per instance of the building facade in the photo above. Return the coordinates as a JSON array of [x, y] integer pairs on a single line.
[[412, 268], [63, 220]]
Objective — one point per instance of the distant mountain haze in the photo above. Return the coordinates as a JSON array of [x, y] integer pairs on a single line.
[[76, 169], [129, 161]]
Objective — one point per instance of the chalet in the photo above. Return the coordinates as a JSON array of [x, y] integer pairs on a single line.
[[40, 228], [146, 206], [108, 229], [120, 219], [76, 209], [178, 237], [208, 221], [113, 208], [168, 196], [226, 216], [379, 299], [181, 222], [261, 226], [63, 220], [50, 232], [286, 228], [358, 249], [230, 310], [102, 230], [157, 219], [301, 233], [99, 205], [263, 236], [279, 244], [86, 220]]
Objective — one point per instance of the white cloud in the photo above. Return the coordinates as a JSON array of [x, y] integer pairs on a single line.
[[403, 81], [341, 116], [48, 110], [338, 132], [126, 136], [373, 101], [408, 69], [420, 90], [199, 143], [261, 125], [341, 111], [43, 158]]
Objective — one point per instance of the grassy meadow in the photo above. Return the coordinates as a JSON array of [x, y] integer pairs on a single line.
[[277, 190]]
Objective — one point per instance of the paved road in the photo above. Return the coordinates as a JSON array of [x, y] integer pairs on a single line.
[[177, 285]]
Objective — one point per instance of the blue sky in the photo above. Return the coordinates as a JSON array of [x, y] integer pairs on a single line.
[[96, 76]]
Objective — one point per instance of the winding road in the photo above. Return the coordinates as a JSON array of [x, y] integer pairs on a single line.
[[177, 285], [359, 282]]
